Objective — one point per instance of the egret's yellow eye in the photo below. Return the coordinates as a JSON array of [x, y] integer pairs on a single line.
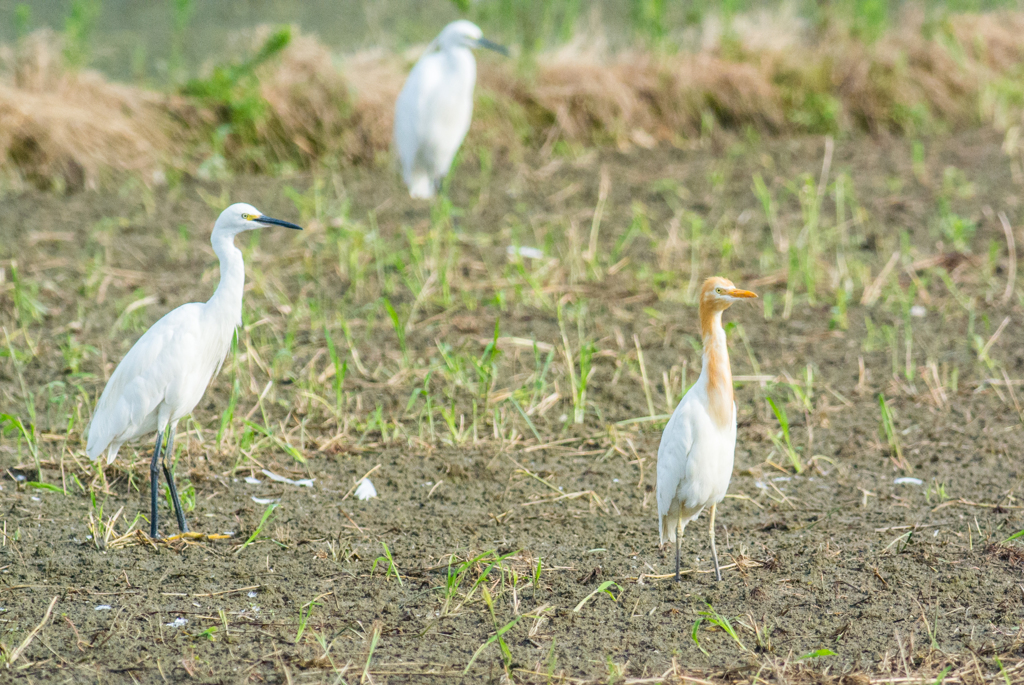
[[247, 217], [719, 290]]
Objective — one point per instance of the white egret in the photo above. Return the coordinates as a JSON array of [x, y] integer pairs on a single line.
[[434, 109], [165, 373], [697, 448]]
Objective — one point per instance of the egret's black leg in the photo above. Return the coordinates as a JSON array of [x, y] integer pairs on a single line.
[[169, 475], [678, 536], [154, 482]]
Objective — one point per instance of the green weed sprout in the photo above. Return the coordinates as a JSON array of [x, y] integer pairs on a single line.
[[305, 612], [605, 588], [786, 444], [399, 330], [694, 636], [387, 559], [498, 636], [12, 424], [717, 619], [893, 438], [259, 528], [340, 369]]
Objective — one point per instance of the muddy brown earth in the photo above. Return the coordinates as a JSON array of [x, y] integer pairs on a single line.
[[505, 550]]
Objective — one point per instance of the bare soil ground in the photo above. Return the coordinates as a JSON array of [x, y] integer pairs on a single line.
[[507, 549]]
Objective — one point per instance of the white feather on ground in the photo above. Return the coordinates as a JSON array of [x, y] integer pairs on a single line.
[[366, 490]]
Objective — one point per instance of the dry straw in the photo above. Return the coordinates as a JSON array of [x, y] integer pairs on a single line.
[[73, 128]]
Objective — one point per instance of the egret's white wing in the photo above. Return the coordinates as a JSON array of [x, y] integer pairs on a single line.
[[432, 116], [447, 108], [406, 117], [128, 406], [674, 462], [413, 122], [695, 462]]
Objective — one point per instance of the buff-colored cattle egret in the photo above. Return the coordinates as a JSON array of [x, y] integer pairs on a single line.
[[165, 373], [434, 109], [696, 452]]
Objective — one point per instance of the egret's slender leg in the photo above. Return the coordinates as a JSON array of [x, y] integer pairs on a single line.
[[714, 552], [169, 475], [154, 482], [678, 577], [679, 537]]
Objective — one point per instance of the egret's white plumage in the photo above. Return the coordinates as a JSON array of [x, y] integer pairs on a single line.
[[695, 457], [435, 107], [166, 372]]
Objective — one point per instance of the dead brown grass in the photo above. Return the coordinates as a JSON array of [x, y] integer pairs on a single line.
[[75, 126], [638, 95], [375, 80], [901, 83], [588, 99], [308, 100], [995, 40]]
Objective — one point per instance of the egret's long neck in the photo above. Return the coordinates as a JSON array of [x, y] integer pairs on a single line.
[[463, 64], [716, 366], [227, 298]]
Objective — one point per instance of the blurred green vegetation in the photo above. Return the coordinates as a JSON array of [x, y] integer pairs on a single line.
[[164, 39], [232, 92], [269, 98]]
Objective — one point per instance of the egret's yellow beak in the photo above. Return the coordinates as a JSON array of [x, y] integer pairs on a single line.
[[736, 292]]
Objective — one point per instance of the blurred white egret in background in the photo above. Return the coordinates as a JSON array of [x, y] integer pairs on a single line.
[[434, 109], [697, 448], [164, 375]]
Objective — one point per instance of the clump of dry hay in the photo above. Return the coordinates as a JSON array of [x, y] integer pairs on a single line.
[[375, 80], [901, 83], [590, 100], [73, 127], [279, 101], [635, 96], [995, 40], [307, 99], [313, 109], [76, 128]]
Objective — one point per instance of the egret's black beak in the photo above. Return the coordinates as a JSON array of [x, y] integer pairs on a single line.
[[490, 45], [277, 222]]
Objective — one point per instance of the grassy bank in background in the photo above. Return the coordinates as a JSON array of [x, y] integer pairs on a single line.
[[286, 102]]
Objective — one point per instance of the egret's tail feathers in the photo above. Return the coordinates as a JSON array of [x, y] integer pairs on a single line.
[[421, 187], [97, 443], [666, 530], [93, 448], [673, 524], [95, 452]]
